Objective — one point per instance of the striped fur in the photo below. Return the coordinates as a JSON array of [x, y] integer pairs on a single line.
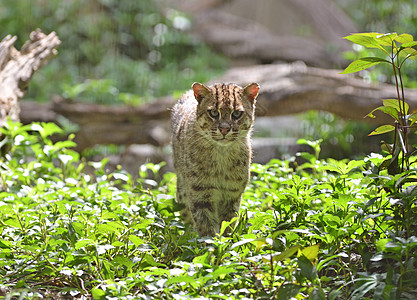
[[211, 128]]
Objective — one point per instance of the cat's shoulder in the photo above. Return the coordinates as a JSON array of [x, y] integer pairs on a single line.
[[187, 98]]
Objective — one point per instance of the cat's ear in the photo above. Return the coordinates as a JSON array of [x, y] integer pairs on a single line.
[[200, 91], [251, 91]]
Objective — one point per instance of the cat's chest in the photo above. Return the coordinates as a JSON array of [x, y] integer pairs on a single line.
[[223, 164]]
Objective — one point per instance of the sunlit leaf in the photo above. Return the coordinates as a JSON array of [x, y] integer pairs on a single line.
[[311, 252], [181, 279], [386, 39], [410, 53], [398, 105], [405, 38], [367, 40], [287, 253], [391, 111], [362, 64], [84, 242], [382, 129]]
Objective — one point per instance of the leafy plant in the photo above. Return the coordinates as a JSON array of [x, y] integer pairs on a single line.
[[397, 205], [323, 229], [398, 48]]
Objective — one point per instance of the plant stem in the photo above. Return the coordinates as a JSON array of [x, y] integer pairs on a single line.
[[404, 129], [394, 67]]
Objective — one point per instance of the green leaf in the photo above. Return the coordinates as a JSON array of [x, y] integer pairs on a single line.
[[405, 38], [386, 39], [84, 242], [124, 261], [135, 240], [391, 111], [287, 253], [97, 293], [368, 40], [396, 104], [288, 291], [409, 44], [110, 227], [311, 252], [382, 129], [308, 270], [408, 53], [362, 64], [179, 279]]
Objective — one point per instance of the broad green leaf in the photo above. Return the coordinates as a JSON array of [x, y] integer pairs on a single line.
[[391, 111], [135, 240], [221, 272], [396, 104], [288, 291], [386, 39], [311, 252], [362, 64], [12, 222], [409, 53], [367, 40], [5, 244], [382, 129], [98, 293], [84, 242], [287, 253], [124, 261], [110, 227], [404, 38], [307, 269], [409, 44]]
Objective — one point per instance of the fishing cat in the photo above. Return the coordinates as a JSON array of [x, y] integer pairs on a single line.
[[211, 129]]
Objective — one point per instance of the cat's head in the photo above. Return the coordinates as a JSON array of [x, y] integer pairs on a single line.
[[225, 111]]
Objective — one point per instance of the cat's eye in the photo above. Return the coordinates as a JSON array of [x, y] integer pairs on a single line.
[[237, 114], [214, 113]]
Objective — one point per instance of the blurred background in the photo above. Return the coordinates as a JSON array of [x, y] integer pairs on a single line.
[[134, 52]]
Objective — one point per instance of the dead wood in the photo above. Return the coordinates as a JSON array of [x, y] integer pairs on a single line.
[[285, 89], [294, 88], [18, 67]]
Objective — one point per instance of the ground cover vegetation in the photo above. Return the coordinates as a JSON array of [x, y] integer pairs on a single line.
[[308, 228]]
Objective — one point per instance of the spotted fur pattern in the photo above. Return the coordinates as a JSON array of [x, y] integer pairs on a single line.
[[211, 129]]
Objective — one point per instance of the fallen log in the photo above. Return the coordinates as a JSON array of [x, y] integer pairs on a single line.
[[285, 89], [294, 88]]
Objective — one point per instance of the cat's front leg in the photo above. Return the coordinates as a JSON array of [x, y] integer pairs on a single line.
[[229, 209], [204, 214]]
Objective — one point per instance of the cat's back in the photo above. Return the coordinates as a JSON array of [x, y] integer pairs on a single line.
[[183, 113]]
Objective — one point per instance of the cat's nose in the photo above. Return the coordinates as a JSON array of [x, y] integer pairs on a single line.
[[224, 128]]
